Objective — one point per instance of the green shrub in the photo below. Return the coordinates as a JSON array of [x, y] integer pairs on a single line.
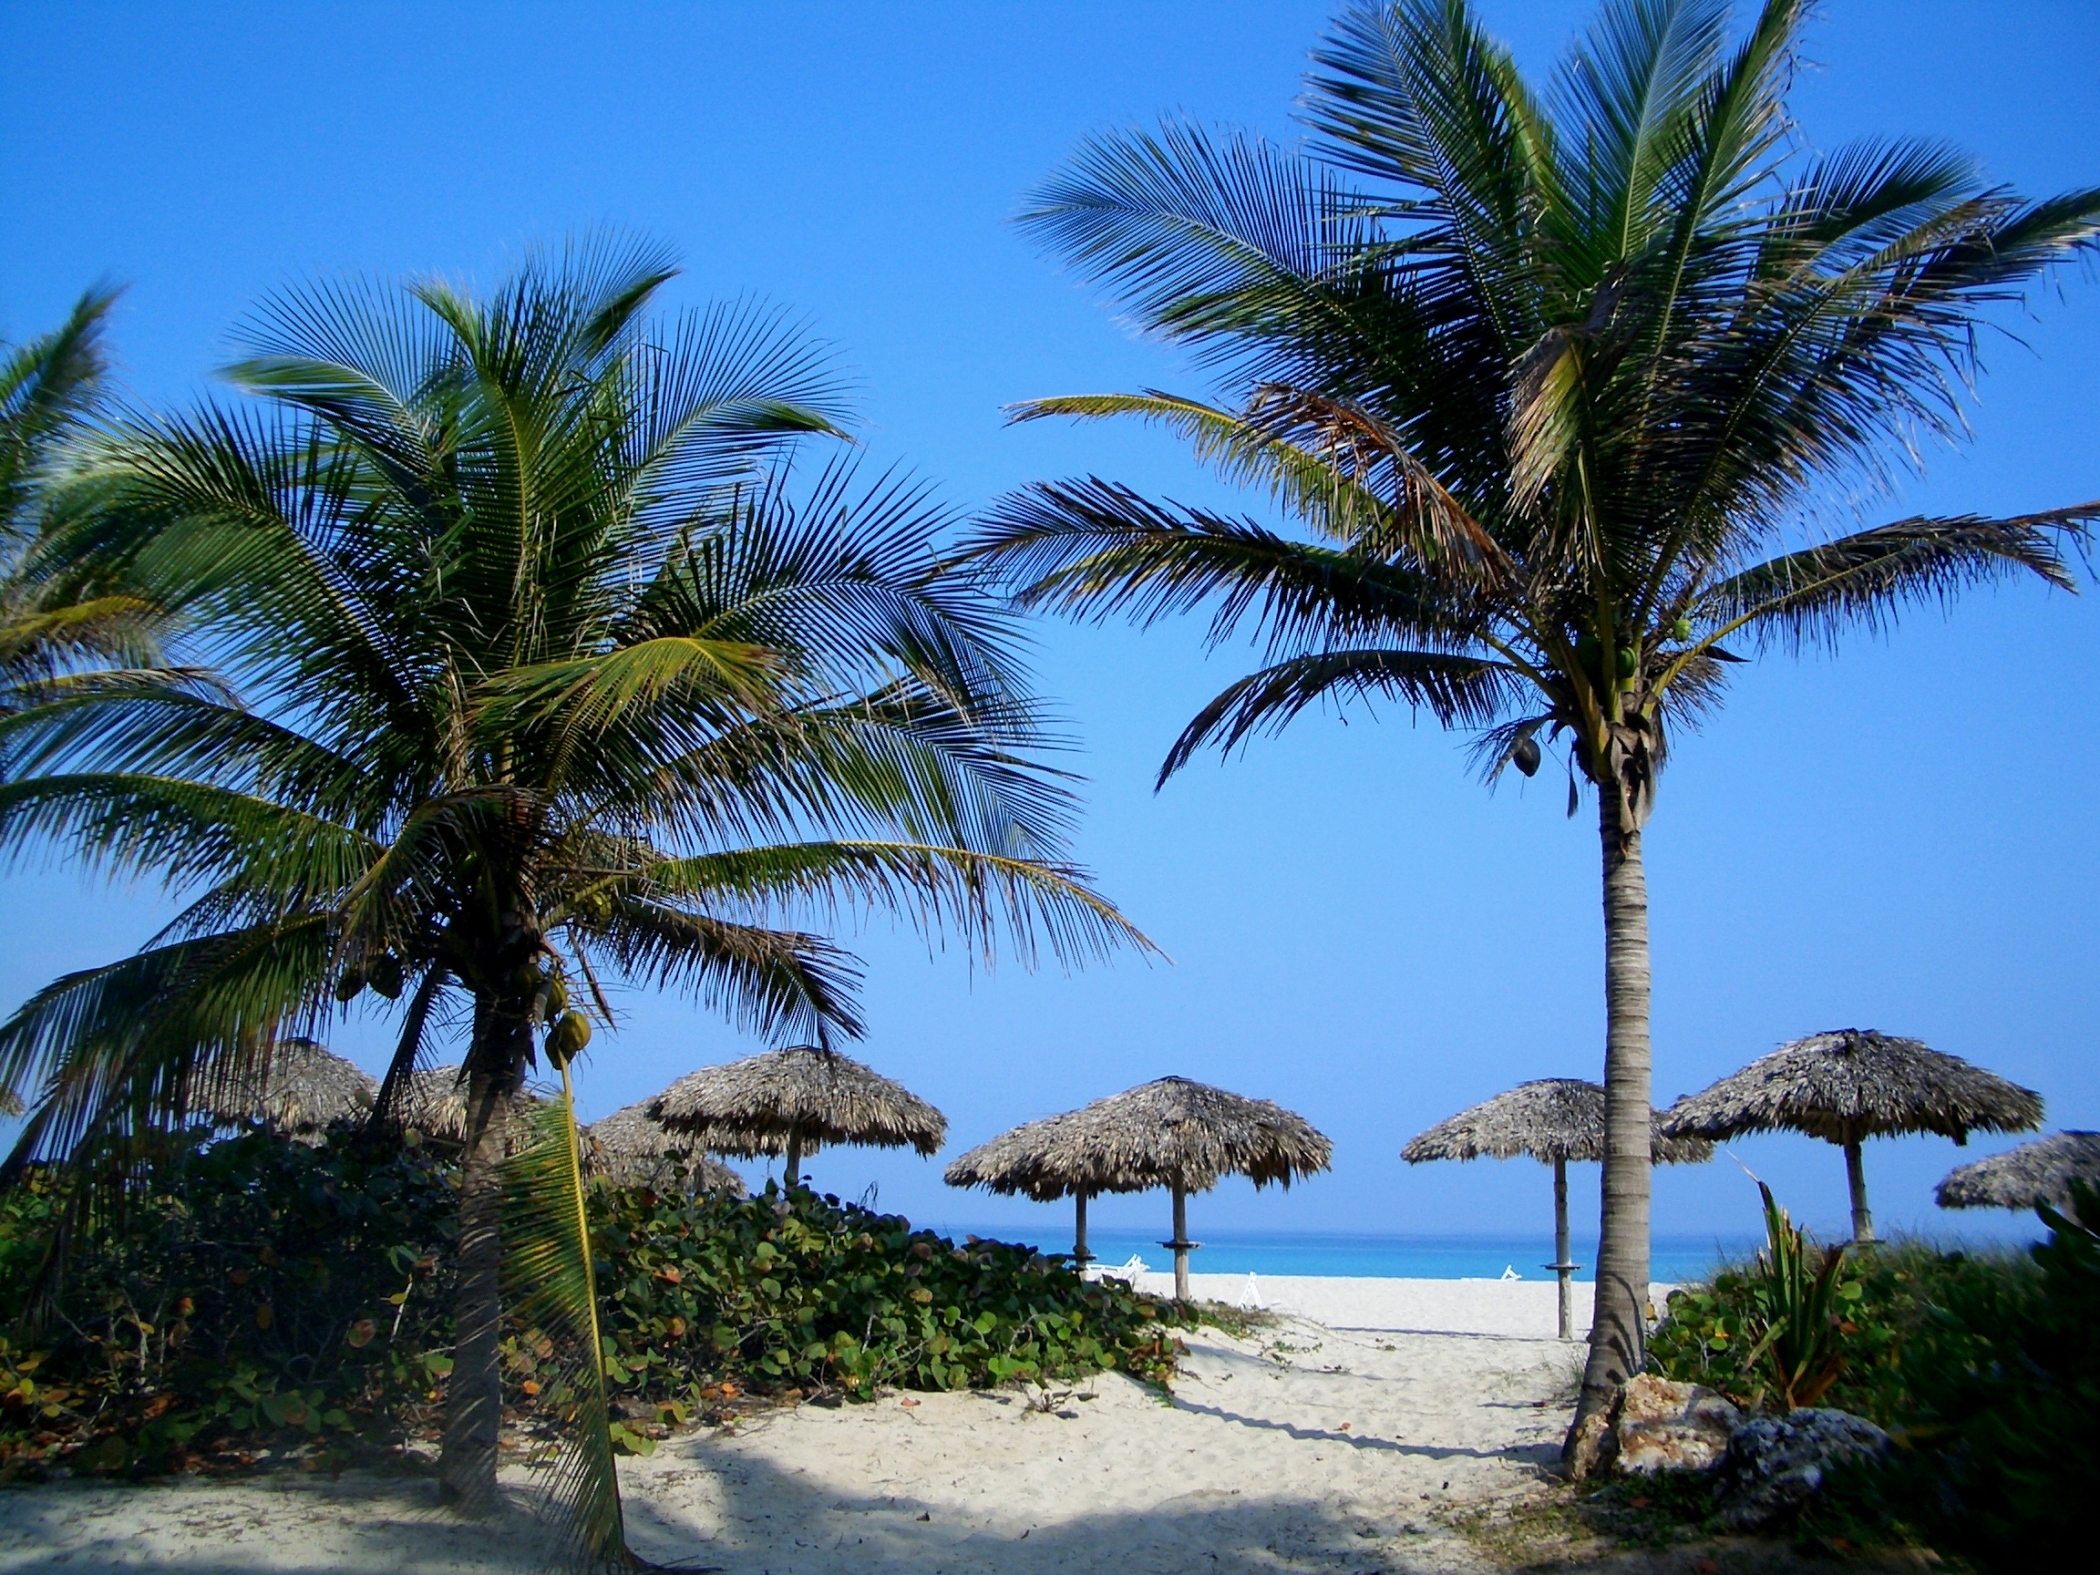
[[2001, 1421], [1883, 1299], [266, 1295], [1985, 1367], [259, 1291]]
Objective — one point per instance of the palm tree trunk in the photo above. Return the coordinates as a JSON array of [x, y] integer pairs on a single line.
[[474, 1391], [1856, 1179], [1618, 1327]]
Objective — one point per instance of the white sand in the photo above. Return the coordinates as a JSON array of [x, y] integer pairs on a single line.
[[1249, 1468]]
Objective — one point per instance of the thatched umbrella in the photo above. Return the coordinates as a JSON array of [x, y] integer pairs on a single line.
[[629, 1149], [435, 1103], [791, 1101], [299, 1090], [1555, 1119], [1851, 1084], [1026, 1162], [2020, 1178], [1171, 1133]]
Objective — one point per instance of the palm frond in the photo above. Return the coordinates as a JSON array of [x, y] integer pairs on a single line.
[[1864, 579], [1099, 550], [978, 895], [1457, 690], [548, 1275]]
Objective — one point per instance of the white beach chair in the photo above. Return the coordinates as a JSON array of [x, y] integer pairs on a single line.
[[1250, 1298]]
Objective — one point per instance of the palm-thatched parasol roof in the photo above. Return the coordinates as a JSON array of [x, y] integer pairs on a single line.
[[2037, 1172], [1030, 1160], [762, 1103], [435, 1102], [1552, 1118], [629, 1149], [1854, 1083], [300, 1088], [1161, 1134]]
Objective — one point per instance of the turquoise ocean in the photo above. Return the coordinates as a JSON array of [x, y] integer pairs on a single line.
[[1675, 1259]]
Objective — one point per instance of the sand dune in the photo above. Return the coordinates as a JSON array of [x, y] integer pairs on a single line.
[[1337, 1445]]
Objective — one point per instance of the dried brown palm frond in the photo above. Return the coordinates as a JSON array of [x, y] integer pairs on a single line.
[[1172, 1132], [1853, 1083]]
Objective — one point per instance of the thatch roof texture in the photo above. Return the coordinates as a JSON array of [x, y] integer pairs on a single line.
[[435, 1102], [1553, 1118], [301, 1088], [755, 1106], [2037, 1172], [1855, 1083], [629, 1149], [1161, 1134]]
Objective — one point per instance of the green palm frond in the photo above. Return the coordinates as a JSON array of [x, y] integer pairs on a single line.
[[979, 896], [1459, 691], [109, 1056], [548, 1275], [1863, 580]]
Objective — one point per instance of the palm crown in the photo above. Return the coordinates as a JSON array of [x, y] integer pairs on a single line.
[[1554, 385], [1551, 389]]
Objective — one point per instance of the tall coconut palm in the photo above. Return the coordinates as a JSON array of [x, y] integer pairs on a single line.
[[540, 673], [1551, 384]]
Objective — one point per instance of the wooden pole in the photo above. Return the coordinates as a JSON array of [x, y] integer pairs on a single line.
[[1856, 1176], [1561, 1266], [1181, 1243], [794, 1156], [1080, 1256]]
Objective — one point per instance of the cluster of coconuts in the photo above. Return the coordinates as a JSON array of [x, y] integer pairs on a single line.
[[1524, 753], [382, 975], [568, 1030], [1589, 650]]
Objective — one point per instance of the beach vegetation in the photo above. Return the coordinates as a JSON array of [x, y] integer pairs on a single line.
[[1562, 394], [1983, 1365], [261, 1298]]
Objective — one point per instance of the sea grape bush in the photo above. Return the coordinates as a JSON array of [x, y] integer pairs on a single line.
[[264, 1295], [795, 1291], [259, 1291]]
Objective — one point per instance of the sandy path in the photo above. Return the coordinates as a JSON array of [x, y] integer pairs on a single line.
[[1249, 1468]]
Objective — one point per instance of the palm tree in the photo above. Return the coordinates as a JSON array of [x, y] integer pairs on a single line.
[[543, 667], [1552, 383], [52, 627]]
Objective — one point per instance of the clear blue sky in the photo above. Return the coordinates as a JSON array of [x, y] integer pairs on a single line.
[[1903, 837]]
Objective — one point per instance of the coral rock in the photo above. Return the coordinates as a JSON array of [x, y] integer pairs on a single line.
[[1664, 1426], [1776, 1464]]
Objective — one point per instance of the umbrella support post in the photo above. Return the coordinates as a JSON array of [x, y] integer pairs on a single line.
[[1181, 1246], [1080, 1256], [792, 1170], [1560, 1264], [1856, 1179]]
